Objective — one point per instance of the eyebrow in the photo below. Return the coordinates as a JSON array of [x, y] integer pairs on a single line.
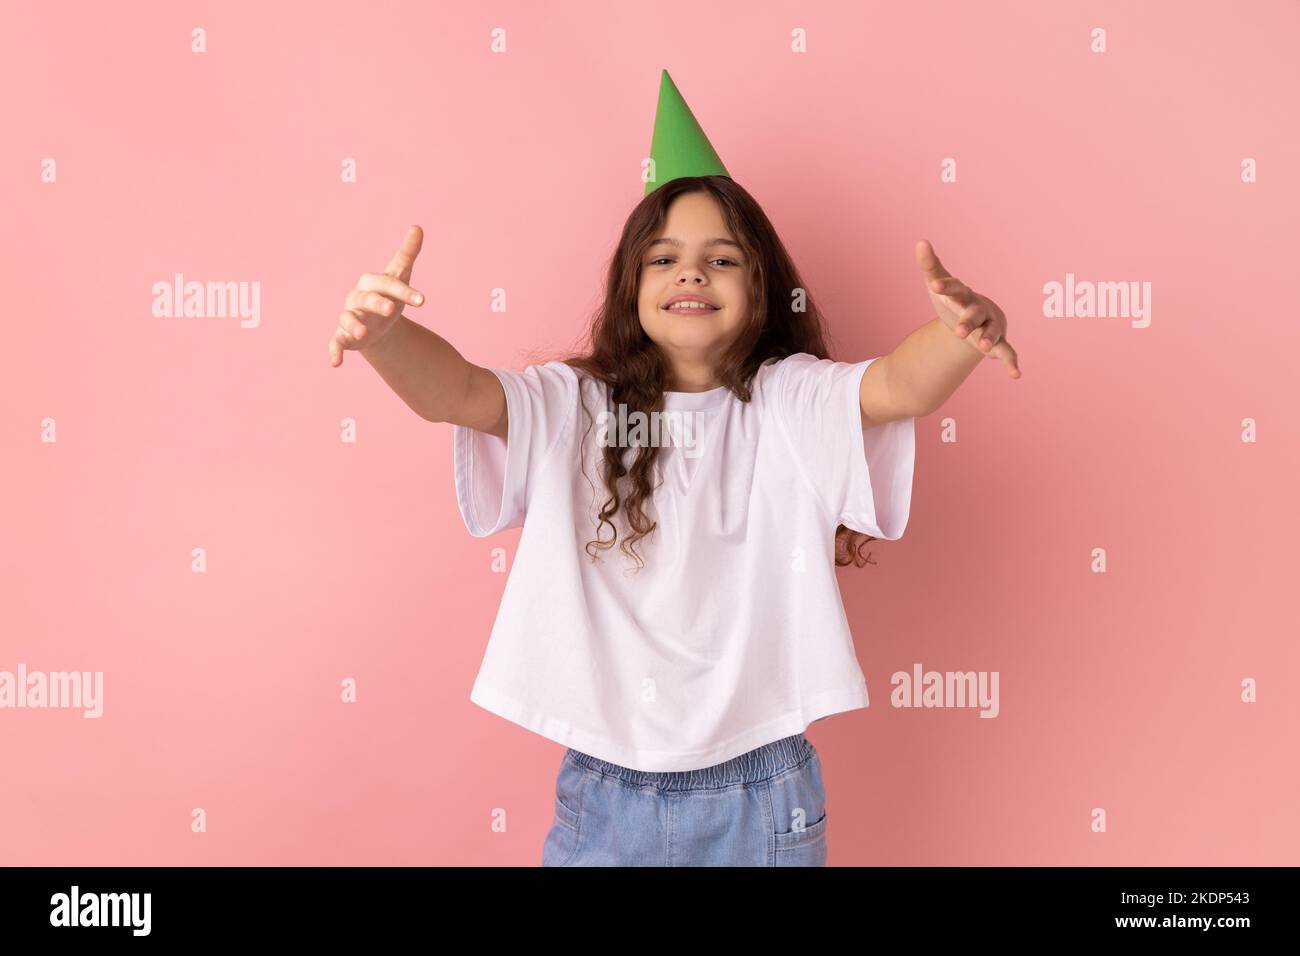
[[711, 242]]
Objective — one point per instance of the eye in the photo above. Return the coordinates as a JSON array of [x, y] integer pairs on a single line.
[[655, 262]]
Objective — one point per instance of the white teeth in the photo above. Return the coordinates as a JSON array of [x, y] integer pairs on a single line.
[[692, 306]]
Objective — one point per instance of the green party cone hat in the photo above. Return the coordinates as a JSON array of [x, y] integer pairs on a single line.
[[679, 147]]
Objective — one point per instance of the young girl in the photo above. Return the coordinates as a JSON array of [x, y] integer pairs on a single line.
[[681, 671]]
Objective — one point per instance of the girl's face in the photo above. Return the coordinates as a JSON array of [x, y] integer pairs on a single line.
[[694, 255]]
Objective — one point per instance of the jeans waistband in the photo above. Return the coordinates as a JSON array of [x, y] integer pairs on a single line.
[[762, 763]]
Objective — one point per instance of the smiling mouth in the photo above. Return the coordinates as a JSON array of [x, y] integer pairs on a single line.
[[708, 310]]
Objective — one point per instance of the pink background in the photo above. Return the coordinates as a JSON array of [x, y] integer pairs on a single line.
[[329, 560]]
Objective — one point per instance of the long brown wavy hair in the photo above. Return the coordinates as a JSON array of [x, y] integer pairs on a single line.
[[621, 355]]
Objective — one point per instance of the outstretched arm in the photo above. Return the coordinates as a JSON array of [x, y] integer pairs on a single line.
[[926, 368], [422, 367], [436, 381]]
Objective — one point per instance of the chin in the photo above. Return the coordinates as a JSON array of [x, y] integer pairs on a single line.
[[701, 341]]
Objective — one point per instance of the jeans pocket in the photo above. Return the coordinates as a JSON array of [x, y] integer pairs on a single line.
[[561, 844], [799, 816]]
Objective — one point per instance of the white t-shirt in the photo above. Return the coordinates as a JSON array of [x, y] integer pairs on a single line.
[[733, 634]]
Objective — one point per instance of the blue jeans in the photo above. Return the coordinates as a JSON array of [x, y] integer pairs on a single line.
[[766, 807]]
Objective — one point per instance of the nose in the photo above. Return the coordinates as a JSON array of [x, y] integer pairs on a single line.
[[688, 271]]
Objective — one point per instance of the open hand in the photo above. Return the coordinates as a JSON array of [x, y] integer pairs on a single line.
[[971, 316]]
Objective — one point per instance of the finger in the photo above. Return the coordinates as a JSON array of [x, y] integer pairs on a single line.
[[404, 259], [929, 262], [971, 318], [949, 285], [338, 342], [374, 303], [979, 338], [390, 286], [341, 340], [990, 334], [352, 324], [1007, 354]]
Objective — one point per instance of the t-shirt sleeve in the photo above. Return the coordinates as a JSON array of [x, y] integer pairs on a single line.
[[494, 477], [863, 475]]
